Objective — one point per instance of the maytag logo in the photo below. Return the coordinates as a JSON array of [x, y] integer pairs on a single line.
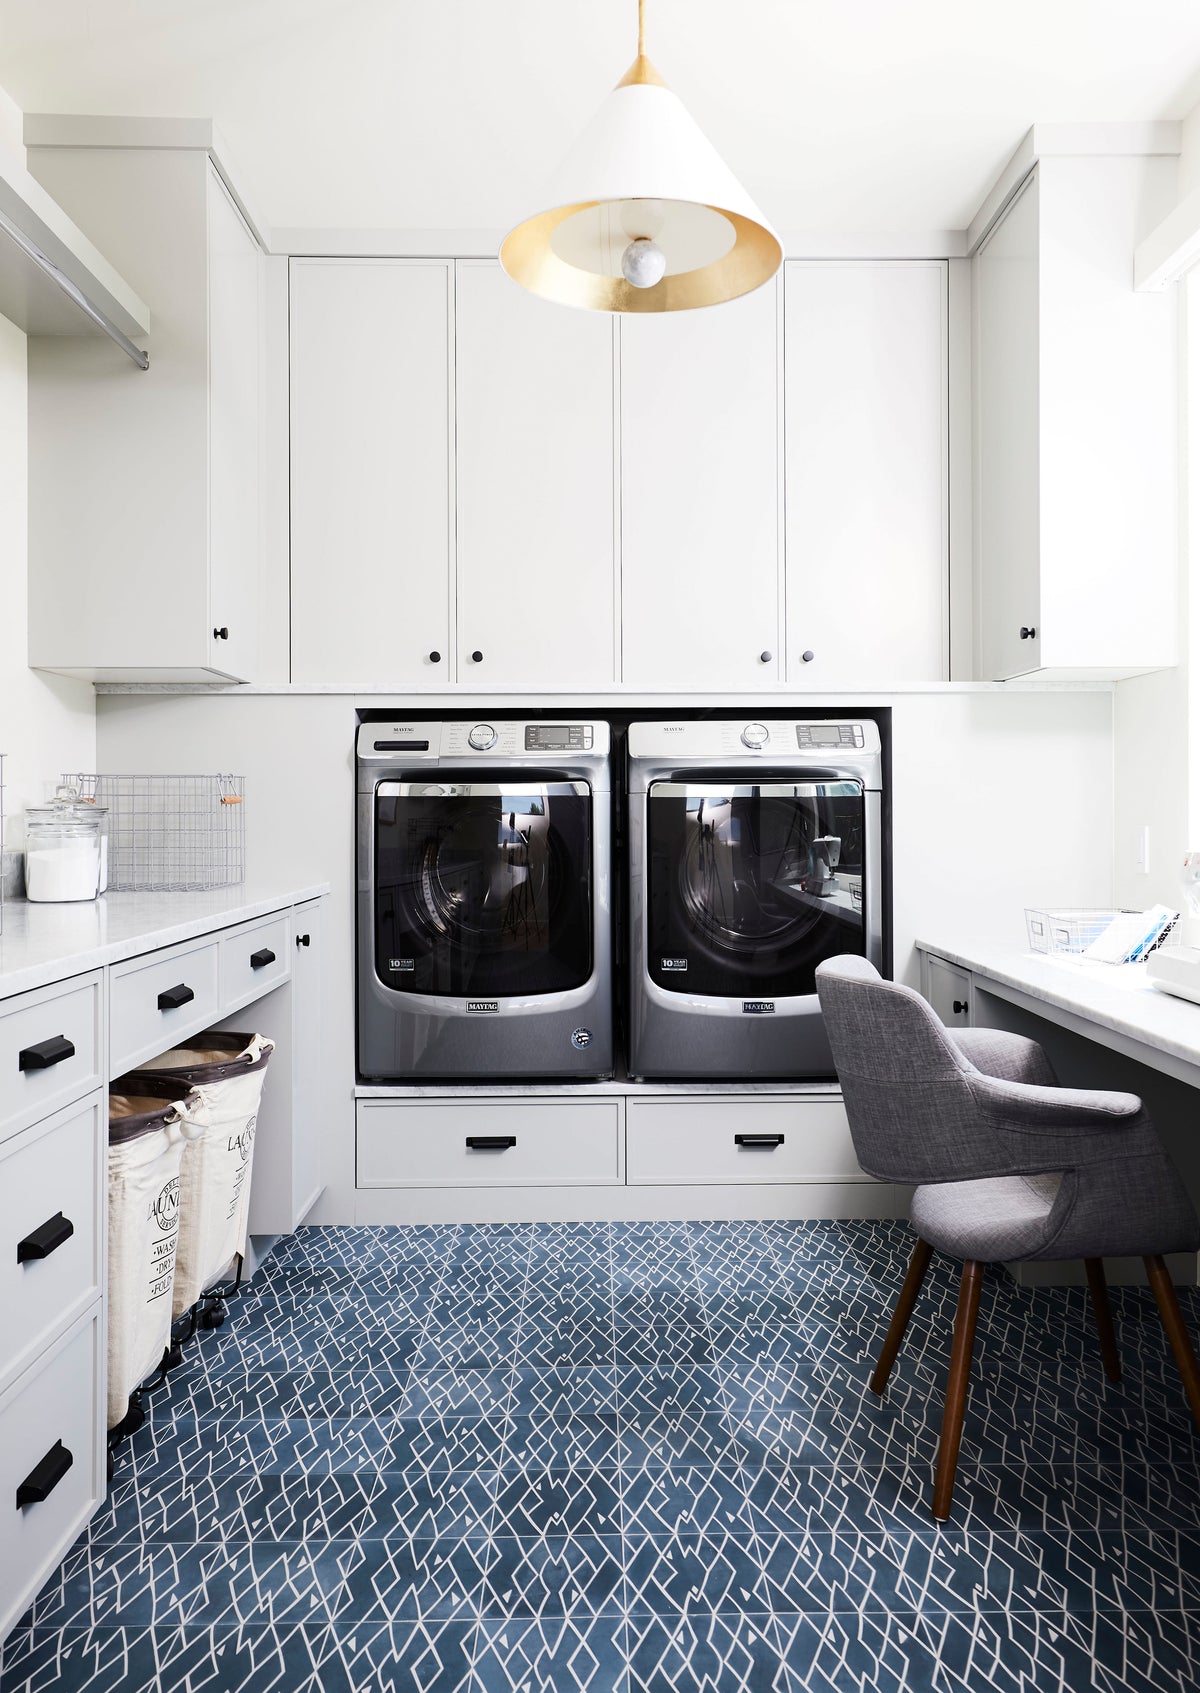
[[483, 1005], [758, 1006], [673, 963]]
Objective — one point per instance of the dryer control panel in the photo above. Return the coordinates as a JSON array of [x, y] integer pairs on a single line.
[[772, 741]]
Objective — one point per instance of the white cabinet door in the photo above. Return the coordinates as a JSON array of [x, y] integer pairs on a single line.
[[1008, 510], [700, 536], [371, 443], [947, 987], [234, 357], [866, 472], [534, 432]]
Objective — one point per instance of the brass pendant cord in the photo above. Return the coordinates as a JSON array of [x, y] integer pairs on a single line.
[[641, 29]]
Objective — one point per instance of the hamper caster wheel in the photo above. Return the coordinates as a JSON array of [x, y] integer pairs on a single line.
[[215, 1315], [173, 1357]]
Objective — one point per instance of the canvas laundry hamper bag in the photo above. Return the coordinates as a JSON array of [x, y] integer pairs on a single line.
[[222, 1075], [147, 1132]]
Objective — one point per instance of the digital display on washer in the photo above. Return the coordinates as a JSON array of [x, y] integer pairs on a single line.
[[558, 737], [828, 735]]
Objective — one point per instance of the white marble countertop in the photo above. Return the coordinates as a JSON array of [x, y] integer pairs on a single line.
[[1116, 997], [49, 943]]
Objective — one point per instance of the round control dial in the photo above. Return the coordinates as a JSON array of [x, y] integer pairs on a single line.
[[482, 737], [755, 735]]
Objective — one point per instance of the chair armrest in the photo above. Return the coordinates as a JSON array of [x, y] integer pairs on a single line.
[[1018, 1105], [1011, 1058]]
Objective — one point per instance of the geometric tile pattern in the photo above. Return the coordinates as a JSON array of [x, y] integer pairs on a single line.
[[634, 1458]]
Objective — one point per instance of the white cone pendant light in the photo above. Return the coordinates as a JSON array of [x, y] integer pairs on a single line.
[[644, 216]]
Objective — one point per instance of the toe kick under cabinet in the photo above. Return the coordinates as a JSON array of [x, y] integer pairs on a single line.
[[98, 1008]]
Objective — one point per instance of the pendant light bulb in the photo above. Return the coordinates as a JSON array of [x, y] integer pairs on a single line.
[[642, 263]]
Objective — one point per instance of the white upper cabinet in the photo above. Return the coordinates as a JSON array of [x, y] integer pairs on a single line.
[[144, 485], [866, 472], [371, 433], [1076, 435], [535, 479], [700, 530]]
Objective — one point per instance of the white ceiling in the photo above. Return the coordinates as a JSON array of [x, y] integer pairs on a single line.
[[846, 115]]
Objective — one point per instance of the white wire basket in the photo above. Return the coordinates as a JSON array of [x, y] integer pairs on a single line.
[[170, 834]]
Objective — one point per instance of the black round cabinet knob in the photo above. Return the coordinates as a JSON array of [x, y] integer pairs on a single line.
[[765, 657], [960, 1005], [808, 655], [220, 634], [435, 658], [477, 657], [1027, 633]]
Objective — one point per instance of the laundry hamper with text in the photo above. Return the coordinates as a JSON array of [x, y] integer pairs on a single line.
[[222, 1075], [147, 1132]]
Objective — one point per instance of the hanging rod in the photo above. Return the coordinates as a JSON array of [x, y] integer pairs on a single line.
[[61, 280]]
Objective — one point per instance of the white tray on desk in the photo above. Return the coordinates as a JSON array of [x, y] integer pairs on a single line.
[[1176, 970]]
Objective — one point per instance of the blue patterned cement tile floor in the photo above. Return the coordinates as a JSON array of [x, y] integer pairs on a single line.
[[637, 1458]]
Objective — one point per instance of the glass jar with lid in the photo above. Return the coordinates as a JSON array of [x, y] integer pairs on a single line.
[[62, 850]]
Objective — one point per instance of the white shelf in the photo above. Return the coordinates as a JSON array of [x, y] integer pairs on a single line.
[[32, 299]]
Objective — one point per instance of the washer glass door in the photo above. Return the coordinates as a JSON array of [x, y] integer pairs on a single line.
[[483, 889], [750, 885]]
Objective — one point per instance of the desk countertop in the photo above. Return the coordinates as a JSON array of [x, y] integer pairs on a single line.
[[49, 943], [1114, 997]]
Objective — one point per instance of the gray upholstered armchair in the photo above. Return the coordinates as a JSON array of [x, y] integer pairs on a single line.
[[1007, 1166]]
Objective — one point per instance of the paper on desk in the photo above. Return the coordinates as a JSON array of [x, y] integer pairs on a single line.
[[1131, 935]]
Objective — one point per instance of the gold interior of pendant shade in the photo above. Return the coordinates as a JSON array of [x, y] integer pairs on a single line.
[[529, 259]]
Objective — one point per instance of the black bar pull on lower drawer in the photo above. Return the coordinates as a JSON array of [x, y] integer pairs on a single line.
[[260, 959], [46, 1053], [758, 1140], [490, 1143], [41, 1242], [170, 999], [44, 1477]]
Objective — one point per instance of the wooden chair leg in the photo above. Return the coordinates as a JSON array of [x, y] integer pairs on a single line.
[[914, 1277], [1177, 1334], [956, 1387], [1098, 1288]]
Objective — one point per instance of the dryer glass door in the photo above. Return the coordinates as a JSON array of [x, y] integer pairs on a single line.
[[483, 890], [750, 885]]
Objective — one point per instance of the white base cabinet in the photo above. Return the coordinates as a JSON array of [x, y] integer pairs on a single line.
[[144, 485]]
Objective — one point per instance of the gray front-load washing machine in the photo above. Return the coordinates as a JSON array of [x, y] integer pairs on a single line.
[[484, 900], [755, 852]]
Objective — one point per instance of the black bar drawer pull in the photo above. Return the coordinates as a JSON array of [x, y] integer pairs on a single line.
[[490, 1143], [758, 1140], [170, 999], [45, 1240], [259, 960], [46, 1053], [43, 1478]]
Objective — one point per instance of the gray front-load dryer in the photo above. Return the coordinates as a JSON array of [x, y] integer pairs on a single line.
[[484, 901], [755, 852]]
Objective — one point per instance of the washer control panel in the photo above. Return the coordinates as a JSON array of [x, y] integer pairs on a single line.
[[481, 737], [558, 737], [828, 735]]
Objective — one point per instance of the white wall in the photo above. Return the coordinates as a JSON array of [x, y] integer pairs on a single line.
[[1001, 800], [47, 724]]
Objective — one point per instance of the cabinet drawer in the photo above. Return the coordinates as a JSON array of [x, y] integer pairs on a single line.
[[680, 1142], [534, 1143], [55, 1401], [947, 987], [255, 960], [51, 1175], [38, 1074], [142, 1028]]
